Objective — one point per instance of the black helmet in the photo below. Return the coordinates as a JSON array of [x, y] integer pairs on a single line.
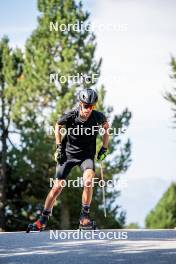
[[88, 96]]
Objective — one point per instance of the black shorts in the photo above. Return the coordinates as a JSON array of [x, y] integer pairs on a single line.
[[63, 170]]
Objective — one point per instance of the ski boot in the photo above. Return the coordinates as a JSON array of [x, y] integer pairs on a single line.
[[39, 225], [85, 222]]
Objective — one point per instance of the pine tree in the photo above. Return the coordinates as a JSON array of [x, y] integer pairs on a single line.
[[39, 104], [164, 214], [171, 96], [10, 70]]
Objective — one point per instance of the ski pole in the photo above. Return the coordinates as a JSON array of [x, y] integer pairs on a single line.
[[103, 188]]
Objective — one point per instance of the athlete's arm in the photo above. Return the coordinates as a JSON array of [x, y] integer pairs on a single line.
[[58, 136], [106, 135]]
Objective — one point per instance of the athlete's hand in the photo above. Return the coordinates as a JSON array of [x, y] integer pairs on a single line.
[[58, 153], [102, 153]]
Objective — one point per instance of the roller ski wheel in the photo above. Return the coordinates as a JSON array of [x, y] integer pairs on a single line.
[[90, 226], [35, 227], [85, 222]]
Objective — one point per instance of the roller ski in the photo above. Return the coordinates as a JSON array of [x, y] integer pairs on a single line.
[[85, 222], [39, 225], [90, 226]]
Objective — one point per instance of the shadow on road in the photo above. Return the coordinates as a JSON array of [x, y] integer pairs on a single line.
[[38, 248]]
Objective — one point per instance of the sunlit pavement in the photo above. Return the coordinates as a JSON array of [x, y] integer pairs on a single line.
[[135, 246]]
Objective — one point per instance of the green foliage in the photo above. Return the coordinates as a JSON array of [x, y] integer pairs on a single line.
[[171, 96], [164, 214], [11, 63], [37, 105], [133, 226]]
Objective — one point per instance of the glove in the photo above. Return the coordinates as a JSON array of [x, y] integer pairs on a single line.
[[58, 153], [102, 153]]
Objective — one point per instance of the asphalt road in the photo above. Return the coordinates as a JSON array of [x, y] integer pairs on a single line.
[[66, 247]]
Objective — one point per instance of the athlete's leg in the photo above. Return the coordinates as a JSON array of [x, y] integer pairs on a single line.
[[54, 193], [88, 186], [61, 173], [88, 169]]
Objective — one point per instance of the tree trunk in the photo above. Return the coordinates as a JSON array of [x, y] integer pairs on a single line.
[[4, 134], [65, 216]]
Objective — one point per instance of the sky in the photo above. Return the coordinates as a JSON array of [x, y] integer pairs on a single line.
[[135, 72]]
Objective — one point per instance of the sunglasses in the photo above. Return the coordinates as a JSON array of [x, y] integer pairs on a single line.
[[87, 106]]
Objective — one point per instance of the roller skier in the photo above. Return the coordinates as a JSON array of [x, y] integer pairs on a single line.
[[76, 149]]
